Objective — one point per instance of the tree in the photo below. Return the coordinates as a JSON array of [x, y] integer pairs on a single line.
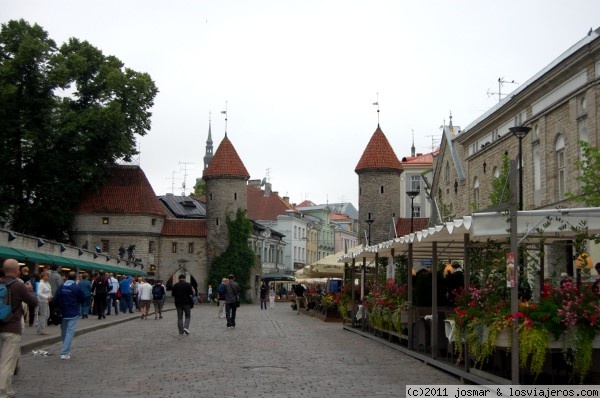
[[238, 259], [65, 115], [589, 164]]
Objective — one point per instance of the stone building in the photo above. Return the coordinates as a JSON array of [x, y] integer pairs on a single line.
[[560, 104], [378, 189]]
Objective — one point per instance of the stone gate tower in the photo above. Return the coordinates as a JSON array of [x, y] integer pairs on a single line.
[[226, 191], [378, 188]]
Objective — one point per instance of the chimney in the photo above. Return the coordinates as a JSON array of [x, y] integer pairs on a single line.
[[254, 183], [286, 199]]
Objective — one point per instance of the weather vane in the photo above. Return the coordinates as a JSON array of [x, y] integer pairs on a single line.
[[225, 113], [377, 103]]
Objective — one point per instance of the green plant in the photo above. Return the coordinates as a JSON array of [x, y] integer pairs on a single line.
[[533, 344]]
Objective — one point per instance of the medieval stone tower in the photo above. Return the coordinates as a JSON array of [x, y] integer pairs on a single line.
[[226, 191], [378, 189]]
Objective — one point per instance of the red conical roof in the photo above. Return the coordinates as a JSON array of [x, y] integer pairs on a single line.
[[126, 191], [226, 163], [378, 155]]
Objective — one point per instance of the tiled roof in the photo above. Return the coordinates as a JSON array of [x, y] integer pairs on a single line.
[[306, 203], [378, 155], [261, 207], [126, 191], [226, 163], [403, 225], [420, 159], [183, 227], [339, 217]]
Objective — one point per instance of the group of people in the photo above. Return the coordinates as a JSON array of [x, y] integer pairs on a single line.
[[264, 292]]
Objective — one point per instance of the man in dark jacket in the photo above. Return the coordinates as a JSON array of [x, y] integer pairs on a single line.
[[69, 297], [232, 295], [182, 293], [11, 331]]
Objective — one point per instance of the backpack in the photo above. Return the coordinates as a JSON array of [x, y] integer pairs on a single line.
[[6, 309], [101, 286], [157, 292], [221, 291]]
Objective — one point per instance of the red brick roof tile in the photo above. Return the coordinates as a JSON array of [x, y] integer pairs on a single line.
[[378, 155], [261, 207], [183, 227], [127, 191], [226, 163]]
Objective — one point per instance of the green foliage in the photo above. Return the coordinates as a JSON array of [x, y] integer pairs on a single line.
[[200, 187], [500, 186], [66, 113], [590, 176], [238, 259]]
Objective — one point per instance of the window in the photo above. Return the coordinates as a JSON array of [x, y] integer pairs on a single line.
[[416, 211], [561, 166], [447, 172], [415, 183], [217, 222], [105, 220], [476, 193], [151, 247], [381, 189], [105, 245], [154, 222], [173, 247], [235, 196], [191, 247], [210, 196]]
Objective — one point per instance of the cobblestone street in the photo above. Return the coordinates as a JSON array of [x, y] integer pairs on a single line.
[[273, 353]]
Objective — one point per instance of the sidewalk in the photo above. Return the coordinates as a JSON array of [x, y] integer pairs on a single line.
[[31, 340]]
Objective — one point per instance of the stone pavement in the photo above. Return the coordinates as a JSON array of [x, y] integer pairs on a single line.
[[273, 353]]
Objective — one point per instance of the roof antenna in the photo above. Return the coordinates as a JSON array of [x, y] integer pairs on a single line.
[[225, 113], [377, 103]]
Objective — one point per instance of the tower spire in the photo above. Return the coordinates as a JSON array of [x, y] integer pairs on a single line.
[[208, 155], [412, 148]]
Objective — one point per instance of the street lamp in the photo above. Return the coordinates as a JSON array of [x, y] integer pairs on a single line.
[[520, 132], [412, 195]]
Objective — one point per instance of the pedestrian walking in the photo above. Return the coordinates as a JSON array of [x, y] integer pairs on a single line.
[[182, 293], [264, 290], [272, 296], [86, 287], [11, 331], [145, 293], [100, 290], [299, 292], [158, 296], [44, 295], [69, 298], [210, 294], [113, 284], [221, 294], [232, 300], [126, 299]]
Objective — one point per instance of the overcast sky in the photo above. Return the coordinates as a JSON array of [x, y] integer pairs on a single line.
[[300, 77]]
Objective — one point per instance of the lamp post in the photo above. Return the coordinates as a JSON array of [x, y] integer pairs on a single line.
[[520, 132], [369, 221], [412, 195]]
